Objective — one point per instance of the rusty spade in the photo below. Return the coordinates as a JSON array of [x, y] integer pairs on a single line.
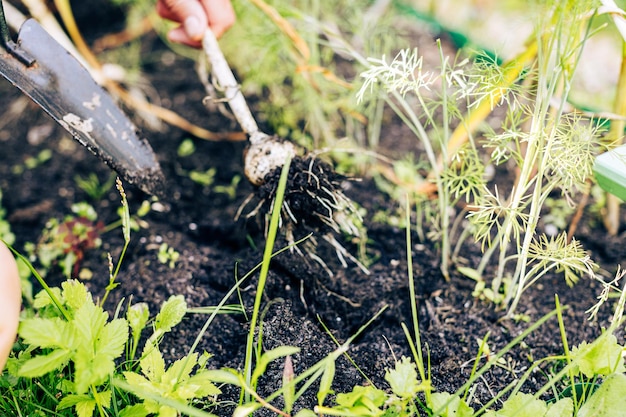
[[47, 73]]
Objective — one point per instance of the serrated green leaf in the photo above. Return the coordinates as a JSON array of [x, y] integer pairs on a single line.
[[43, 299], [112, 339], [137, 410], [180, 370], [73, 399], [91, 369], [167, 411], [138, 382], [602, 357], [204, 383], [75, 294], [448, 405], [172, 313], [88, 321], [46, 333], [608, 400], [85, 408], [403, 379], [152, 363], [43, 364], [562, 408]]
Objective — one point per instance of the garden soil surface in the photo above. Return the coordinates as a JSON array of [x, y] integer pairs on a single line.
[[303, 305]]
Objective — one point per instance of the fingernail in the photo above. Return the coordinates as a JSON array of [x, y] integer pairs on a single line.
[[193, 28]]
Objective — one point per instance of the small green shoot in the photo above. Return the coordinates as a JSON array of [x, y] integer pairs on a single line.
[[168, 255], [186, 148], [93, 187]]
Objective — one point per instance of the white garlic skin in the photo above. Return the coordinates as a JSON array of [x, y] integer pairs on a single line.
[[264, 156]]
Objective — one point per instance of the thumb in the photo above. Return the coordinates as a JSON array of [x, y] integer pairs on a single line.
[[190, 14]]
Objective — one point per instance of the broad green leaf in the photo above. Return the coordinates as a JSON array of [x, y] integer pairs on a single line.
[[46, 333], [608, 400], [602, 357], [367, 397], [75, 294], [137, 316], [448, 405], [138, 382], [403, 379], [152, 363], [43, 364], [562, 408], [172, 313]]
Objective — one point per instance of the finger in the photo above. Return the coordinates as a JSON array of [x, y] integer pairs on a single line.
[[188, 12], [221, 15], [10, 302], [179, 35]]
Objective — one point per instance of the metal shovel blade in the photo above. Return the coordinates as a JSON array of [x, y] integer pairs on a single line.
[[58, 83]]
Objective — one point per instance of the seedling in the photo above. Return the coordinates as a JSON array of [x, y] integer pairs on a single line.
[[168, 255], [65, 242], [93, 187]]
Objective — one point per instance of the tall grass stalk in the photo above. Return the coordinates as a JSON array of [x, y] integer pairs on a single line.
[[265, 265]]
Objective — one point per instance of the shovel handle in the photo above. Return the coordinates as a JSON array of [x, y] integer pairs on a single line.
[[232, 91], [9, 45]]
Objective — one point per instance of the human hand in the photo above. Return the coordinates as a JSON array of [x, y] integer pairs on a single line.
[[195, 16], [10, 302]]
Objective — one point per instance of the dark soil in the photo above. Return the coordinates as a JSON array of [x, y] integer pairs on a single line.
[[301, 297]]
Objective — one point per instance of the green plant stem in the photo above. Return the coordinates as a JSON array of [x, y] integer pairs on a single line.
[[41, 281], [406, 113], [568, 356], [265, 265], [413, 301], [560, 82]]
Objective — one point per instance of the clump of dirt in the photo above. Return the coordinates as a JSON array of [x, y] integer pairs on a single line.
[[312, 193]]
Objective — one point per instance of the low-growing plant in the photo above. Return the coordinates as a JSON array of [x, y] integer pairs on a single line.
[[64, 243]]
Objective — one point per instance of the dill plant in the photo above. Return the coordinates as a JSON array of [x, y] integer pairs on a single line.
[[552, 149], [307, 98]]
